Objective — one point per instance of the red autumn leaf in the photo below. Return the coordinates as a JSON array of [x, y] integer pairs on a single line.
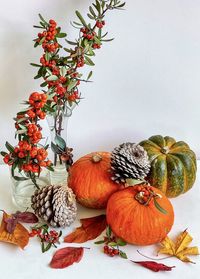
[[11, 223], [91, 228], [14, 219], [66, 256], [154, 266], [26, 217]]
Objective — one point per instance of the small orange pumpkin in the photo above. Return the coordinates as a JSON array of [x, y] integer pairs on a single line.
[[139, 223], [90, 180]]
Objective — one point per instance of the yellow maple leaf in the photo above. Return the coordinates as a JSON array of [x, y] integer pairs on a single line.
[[19, 237], [179, 248]]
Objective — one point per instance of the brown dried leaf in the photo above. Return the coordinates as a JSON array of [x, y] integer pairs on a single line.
[[19, 236], [91, 228], [179, 248]]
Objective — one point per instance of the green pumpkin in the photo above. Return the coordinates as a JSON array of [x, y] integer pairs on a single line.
[[173, 165]]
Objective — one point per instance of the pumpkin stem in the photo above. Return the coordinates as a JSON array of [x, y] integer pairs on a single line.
[[165, 150], [96, 158]]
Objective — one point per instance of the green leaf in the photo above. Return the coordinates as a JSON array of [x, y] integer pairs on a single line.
[[52, 78], [42, 41], [36, 26], [42, 247], [92, 11], [123, 254], [71, 43], [88, 61], [9, 147], [90, 16], [60, 142], [76, 23], [50, 168], [48, 71], [99, 242], [24, 110], [162, 210], [122, 5], [17, 178], [108, 40], [67, 49], [55, 148], [22, 126], [22, 119], [61, 35], [35, 65], [63, 71], [36, 44], [15, 164], [98, 6], [71, 85], [113, 244], [21, 132], [97, 40], [43, 84], [3, 153], [89, 75], [48, 108], [47, 56], [81, 18], [42, 19], [108, 232], [121, 242], [47, 247]]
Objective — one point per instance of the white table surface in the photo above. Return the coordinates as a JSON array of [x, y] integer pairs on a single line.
[[31, 263]]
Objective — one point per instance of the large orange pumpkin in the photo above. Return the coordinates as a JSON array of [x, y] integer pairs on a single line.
[[90, 180], [138, 223]]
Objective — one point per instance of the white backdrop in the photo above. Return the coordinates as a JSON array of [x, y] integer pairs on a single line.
[[147, 81]]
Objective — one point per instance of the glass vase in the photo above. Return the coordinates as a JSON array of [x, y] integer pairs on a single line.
[[22, 190], [59, 154]]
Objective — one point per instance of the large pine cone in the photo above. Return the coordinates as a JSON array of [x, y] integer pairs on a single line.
[[55, 204], [129, 160]]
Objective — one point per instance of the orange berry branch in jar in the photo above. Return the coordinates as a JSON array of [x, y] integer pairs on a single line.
[[61, 80]]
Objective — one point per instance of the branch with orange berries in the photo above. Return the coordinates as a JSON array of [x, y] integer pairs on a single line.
[[61, 79]]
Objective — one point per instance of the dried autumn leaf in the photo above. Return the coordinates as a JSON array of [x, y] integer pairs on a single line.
[[66, 256], [19, 236], [154, 266], [91, 228], [26, 217], [180, 248]]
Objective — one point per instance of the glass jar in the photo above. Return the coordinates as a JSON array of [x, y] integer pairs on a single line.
[[23, 188], [59, 154]]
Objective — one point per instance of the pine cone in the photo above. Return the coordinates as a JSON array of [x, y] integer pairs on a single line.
[[129, 160], [55, 205]]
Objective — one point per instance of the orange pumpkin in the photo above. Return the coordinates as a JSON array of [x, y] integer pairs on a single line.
[[90, 180], [138, 223]]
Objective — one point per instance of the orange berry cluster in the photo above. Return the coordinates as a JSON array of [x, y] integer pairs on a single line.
[[88, 34], [48, 36], [144, 193], [33, 131], [37, 156], [37, 101]]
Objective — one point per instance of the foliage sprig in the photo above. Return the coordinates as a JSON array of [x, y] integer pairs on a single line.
[[60, 89]]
